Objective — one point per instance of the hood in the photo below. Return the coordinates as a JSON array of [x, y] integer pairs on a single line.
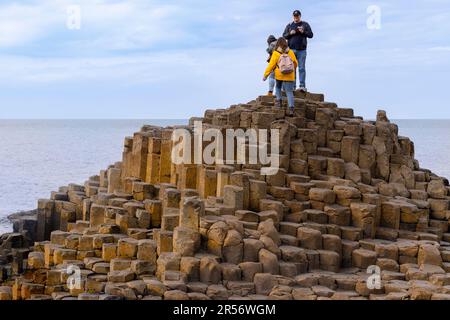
[[271, 39]]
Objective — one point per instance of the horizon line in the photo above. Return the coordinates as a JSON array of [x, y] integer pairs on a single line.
[[146, 119], [183, 119]]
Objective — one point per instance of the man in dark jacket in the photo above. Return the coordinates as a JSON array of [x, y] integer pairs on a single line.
[[297, 34]]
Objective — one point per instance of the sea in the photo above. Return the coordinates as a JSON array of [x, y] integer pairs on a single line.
[[39, 156]]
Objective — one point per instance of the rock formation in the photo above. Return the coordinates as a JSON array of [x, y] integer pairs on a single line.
[[349, 215]]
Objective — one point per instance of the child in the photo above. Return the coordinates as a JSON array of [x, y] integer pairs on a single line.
[[284, 62], [271, 42]]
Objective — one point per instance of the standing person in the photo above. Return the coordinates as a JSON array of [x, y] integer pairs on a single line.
[[297, 34], [271, 42], [284, 63]]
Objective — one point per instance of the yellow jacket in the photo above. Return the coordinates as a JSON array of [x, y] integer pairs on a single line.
[[273, 65]]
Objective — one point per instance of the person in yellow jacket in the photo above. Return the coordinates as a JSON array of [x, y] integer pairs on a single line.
[[284, 80]]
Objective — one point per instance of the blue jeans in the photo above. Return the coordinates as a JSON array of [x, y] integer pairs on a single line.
[[301, 58], [271, 81], [288, 87]]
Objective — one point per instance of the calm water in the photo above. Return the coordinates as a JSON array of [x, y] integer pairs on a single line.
[[431, 141], [38, 156]]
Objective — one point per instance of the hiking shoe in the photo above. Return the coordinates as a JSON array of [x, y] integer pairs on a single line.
[[290, 112], [279, 103], [303, 89]]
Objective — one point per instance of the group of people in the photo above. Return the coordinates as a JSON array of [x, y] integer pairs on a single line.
[[286, 55]]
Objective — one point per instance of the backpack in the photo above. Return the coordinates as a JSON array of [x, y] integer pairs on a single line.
[[286, 64]]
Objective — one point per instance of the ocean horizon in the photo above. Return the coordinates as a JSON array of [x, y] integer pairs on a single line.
[[38, 156]]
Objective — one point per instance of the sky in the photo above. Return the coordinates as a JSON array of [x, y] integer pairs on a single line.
[[167, 59]]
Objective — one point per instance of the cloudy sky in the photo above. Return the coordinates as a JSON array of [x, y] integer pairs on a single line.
[[173, 59]]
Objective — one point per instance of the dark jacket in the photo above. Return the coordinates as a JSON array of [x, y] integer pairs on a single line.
[[271, 41], [298, 41]]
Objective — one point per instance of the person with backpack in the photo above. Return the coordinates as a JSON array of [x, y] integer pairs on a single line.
[[284, 63], [271, 42], [297, 34]]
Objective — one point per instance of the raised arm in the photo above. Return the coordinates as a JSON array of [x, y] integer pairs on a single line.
[[272, 65], [287, 32]]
